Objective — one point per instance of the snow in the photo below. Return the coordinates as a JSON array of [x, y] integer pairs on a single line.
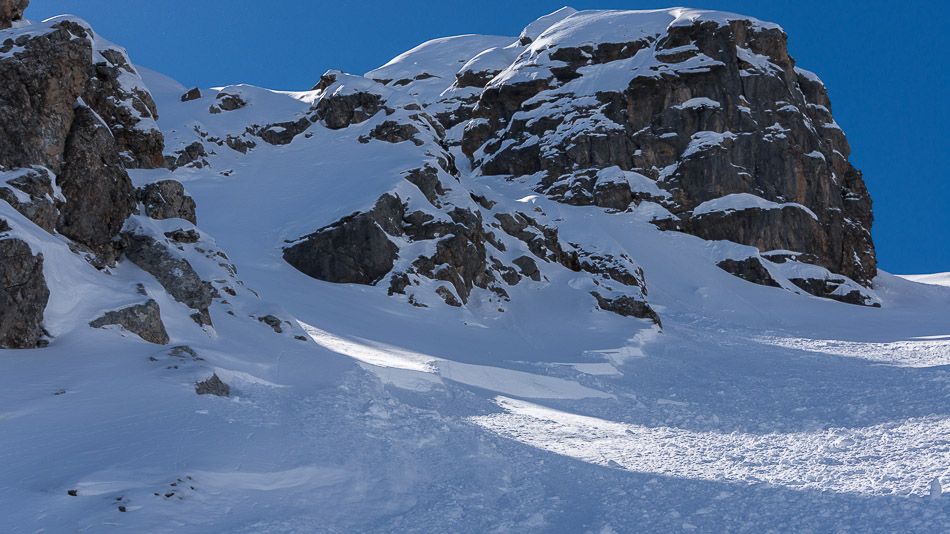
[[745, 201], [937, 279], [699, 103], [430, 67]]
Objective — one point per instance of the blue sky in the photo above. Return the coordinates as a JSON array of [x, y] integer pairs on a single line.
[[885, 65]]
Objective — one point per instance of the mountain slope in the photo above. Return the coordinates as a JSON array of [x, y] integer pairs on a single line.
[[413, 340]]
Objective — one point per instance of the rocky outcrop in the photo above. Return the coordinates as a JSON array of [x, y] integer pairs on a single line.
[[11, 11], [749, 269], [192, 94], [227, 102], [166, 199], [31, 192], [711, 106], [174, 273], [98, 191], [213, 386], [143, 320], [355, 249], [192, 155], [23, 294]]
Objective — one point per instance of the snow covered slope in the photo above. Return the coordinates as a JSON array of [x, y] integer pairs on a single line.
[[455, 350]]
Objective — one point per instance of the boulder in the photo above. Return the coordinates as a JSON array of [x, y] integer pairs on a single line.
[[355, 249], [213, 386], [174, 273], [143, 320], [192, 94], [167, 200], [23, 294], [718, 109], [11, 11]]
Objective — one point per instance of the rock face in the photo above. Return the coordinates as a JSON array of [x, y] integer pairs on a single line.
[[48, 67], [712, 106], [352, 250], [23, 294], [10, 11], [167, 200], [74, 116], [174, 273], [143, 320], [98, 191]]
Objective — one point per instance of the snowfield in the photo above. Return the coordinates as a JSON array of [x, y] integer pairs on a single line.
[[753, 408]]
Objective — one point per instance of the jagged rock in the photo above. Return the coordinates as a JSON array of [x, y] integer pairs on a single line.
[[183, 236], [340, 110], [167, 200], [143, 320], [192, 94], [183, 352], [448, 297], [282, 133], [355, 249], [191, 156], [227, 102], [10, 11], [718, 109], [749, 269], [427, 180], [40, 208], [47, 74], [116, 92], [271, 321], [528, 268], [213, 386], [23, 294], [626, 306], [98, 191], [239, 144], [830, 288], [393, 132], [175, 274]]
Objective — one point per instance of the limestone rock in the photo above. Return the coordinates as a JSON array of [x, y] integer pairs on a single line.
[[749, 269], [143, 320], [175, 274], [718, 109], [213, 386], [98, 191], [355, 249], [192, 155], [192, 94], [40, 206], [10, 11], [167, 200], [23, 294]]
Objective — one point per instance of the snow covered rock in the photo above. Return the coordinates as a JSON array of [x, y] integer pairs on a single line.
[[213, 386], [166, 199], [704, 104], [98, 191], [172, 271], [143, 320]]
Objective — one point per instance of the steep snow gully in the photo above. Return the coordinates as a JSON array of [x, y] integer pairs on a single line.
[[611, 275]]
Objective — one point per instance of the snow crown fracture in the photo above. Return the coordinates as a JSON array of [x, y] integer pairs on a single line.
[[696, 121]]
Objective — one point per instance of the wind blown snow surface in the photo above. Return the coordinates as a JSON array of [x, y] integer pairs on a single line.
[[754, 409]]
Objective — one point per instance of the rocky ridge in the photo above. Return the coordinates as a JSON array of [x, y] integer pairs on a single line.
[[76, 117]]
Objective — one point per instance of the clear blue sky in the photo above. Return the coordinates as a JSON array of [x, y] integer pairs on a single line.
[[885, 65]]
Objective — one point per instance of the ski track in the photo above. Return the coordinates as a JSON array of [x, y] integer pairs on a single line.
[[888, 459]]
